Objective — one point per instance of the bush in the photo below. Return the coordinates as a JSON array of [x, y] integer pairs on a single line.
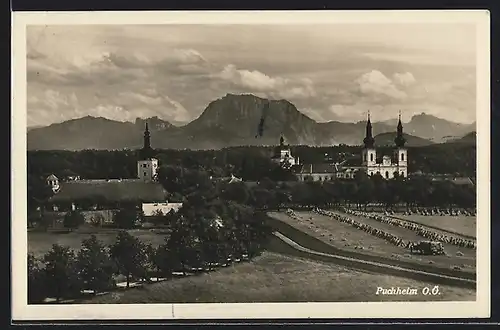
[[36, 281], [130, 256], [97, 220], [73, 219], [61, 273], [126, 218], [95, 266]]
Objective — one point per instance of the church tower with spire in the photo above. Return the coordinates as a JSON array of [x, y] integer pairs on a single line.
[[369, 153], [401, 153], [283, 154], [147, 166]]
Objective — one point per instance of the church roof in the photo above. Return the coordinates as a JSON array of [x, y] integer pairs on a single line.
[[352, 162], [315, 168], [111, 190]]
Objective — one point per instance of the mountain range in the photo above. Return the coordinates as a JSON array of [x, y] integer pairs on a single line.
[[235, 120]]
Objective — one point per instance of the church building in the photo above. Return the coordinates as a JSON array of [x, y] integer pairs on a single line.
[[388, 166], [397, 165], [143, 192], [283, 155]]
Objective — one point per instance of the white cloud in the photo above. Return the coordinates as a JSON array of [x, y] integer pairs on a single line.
[[253, 80], [175, 71], [375, 82], [404, 79], [258, 82]]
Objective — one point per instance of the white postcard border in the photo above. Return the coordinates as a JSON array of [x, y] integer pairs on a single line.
[[22, 311]]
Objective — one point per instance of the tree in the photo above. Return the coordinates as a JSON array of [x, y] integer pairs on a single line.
[[96, 268], [129, 255], [161, 260], [36, 281], [73, 219], [38, 192], [262, 197], [237, 192], [61, 273], [365, 189], [126, 218], [181, 241]]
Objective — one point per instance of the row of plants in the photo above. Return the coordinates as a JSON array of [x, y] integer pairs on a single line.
[[199, 239]]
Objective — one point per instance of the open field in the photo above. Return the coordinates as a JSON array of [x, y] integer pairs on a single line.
[[40, 243], [345, 237], [467, 260], [274, 277], [461, 225]]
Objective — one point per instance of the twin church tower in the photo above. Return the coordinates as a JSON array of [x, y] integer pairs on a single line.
[[390, 166]]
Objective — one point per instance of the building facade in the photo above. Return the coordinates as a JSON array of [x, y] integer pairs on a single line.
[[389, 167], [283, 155], [386, 166], [91, 196], [147, 166]]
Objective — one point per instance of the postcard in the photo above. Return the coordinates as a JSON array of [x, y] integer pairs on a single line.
[[250, 165]]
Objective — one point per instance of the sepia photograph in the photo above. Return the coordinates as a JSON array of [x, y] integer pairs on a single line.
[[250, 165]]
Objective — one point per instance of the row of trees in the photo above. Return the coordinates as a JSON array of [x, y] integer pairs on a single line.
[[200, 238], [197, 186], [361, 191], [252, 163], [417, 191]]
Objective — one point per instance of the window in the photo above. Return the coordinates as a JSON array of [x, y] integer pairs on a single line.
[[402, 156], [371, 157], [144, 165], [387, 174], [145, 173]]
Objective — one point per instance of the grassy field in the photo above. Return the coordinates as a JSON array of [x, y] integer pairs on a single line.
[[459, 224], [40, 243], [344, 236], [276, 278]]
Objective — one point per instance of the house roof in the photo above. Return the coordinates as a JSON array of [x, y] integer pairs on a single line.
[[234, 179], [52, 177], [351, 162], [110, 190], [463, 181], [316, 168]]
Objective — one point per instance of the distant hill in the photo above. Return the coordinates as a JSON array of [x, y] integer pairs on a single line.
[[469, 139], [232, 120], [435, 129], [29, 128], [387, 139]]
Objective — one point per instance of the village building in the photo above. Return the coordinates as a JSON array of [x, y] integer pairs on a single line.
[[283, 155], [104, 196], [386, 166]]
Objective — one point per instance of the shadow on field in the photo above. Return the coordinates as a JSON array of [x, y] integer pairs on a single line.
[[277, 245]]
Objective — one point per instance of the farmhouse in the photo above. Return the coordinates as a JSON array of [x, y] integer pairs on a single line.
[[388, 167], [103, 195]]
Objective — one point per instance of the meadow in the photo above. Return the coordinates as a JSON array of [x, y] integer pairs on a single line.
[[273, 277], [40, 243], [461, 225]]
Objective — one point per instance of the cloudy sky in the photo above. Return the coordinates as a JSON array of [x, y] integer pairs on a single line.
[[330, 72]]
